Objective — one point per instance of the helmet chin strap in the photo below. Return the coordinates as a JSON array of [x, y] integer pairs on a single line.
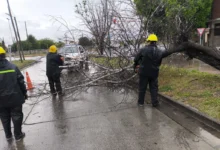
[[2, 57], [153, 43]]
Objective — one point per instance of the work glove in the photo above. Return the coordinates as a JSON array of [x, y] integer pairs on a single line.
[[136, 69], [25, 96]]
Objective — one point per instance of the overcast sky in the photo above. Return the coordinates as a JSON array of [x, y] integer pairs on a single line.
[[36, 12]]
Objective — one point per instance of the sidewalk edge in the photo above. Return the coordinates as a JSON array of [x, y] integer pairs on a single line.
[[191, 111]]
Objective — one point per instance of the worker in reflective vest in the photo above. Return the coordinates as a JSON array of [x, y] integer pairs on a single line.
[[12, 95]]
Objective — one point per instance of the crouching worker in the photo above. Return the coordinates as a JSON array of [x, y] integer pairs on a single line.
[[53, 71], [12, 95]]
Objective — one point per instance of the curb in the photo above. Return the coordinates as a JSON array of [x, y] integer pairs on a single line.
[[191, 111]]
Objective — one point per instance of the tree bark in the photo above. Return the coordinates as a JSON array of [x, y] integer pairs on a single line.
[[208, 55]]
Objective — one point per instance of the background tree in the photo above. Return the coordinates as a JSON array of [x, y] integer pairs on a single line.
[[45, 43], [3, 44], [26, 45], [84, 41], [59, 44], [98, 20], [33, 41], [33, 44], [174, 20], [14, 47], [111, 22]]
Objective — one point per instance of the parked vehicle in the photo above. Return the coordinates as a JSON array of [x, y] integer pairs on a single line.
[[74, 56]]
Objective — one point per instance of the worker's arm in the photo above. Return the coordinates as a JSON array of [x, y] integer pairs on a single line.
[[60, 60], [165, 53], [137, 58], [21, 83]]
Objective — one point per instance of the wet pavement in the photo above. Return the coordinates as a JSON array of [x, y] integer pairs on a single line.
[[100, 118]]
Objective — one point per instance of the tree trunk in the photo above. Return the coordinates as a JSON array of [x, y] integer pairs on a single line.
[[101, 47], [208, 55]]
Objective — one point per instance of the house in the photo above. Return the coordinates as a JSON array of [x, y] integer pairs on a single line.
[[212, 33]]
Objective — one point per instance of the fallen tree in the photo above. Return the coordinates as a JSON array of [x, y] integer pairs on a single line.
[[128, 29], [208, 55]]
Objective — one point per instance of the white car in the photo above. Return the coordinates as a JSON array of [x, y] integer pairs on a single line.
[[74, 55]]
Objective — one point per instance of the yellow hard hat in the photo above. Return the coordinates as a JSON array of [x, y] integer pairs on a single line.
[[53, 49], [2, 51], [152, 38]]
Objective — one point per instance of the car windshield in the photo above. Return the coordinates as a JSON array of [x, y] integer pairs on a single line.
[[69, 50]]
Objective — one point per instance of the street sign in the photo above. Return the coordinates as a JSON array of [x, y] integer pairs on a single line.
[[201, 31]]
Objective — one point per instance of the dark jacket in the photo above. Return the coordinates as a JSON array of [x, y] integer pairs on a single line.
[[149, 58], [12, 86], [53, 62]]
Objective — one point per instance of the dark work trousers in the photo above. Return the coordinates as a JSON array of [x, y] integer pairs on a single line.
[[54, 81], [153, 84], [16, 115]]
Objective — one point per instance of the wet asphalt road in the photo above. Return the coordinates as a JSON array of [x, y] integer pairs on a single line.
[[100, 118]]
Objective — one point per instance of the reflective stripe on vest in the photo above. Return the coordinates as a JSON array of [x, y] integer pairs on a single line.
[[6, 71]]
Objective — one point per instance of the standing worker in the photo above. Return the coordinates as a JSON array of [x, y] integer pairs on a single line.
[[148, 60], [53, 72], [12, 95]]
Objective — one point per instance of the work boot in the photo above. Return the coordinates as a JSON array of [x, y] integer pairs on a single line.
[[53, 93], [140, 105], [8, 138], [20, 137], [61, 93], [155, 104]]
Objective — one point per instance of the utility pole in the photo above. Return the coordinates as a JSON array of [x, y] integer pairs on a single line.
[[10, 31], [66, 38], [26, 29], [9, 10], [19, 38]]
